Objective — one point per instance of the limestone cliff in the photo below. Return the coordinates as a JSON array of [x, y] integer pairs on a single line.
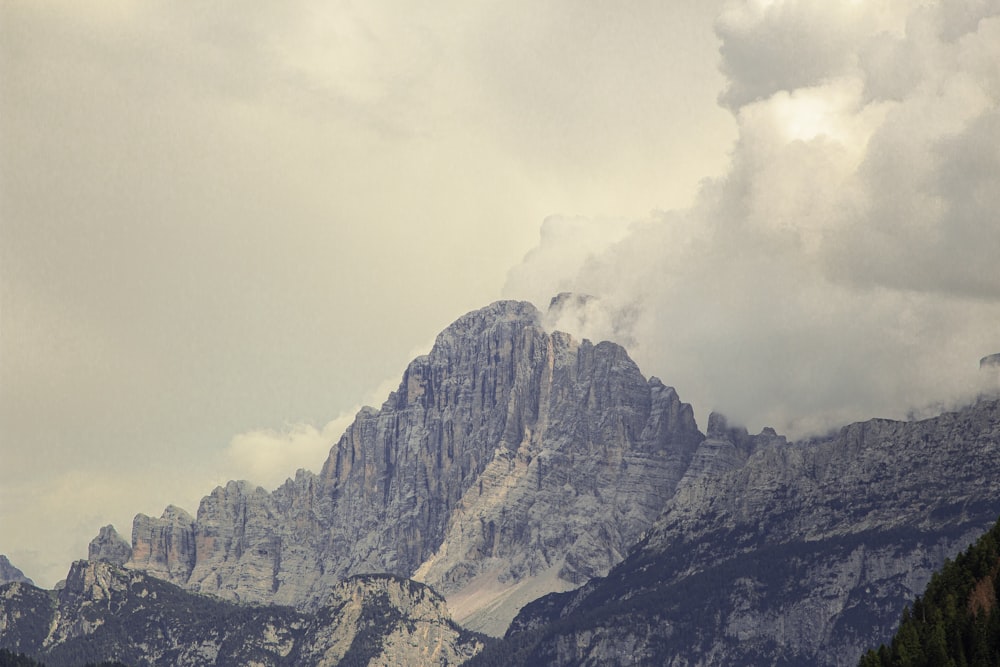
[[803, 553], [510, 462]]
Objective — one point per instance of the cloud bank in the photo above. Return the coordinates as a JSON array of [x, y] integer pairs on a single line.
[[848, 263]]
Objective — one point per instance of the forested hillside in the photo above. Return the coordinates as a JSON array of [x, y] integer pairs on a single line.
[[956, 623]]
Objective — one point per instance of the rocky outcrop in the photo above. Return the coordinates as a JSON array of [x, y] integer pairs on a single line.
[[804, 554], [510, 462], [9, 573], [108, 613], [109, 546], [164, 547]]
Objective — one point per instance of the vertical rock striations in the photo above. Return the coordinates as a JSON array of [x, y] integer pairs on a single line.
[[455, 480], [109, 546], [804, 554]]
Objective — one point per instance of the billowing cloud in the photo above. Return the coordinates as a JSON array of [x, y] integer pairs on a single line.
[[222, 219], [846, 264]]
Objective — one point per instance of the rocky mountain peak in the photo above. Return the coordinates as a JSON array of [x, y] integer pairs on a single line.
[[568, 301], [106, 612], [476, 322], [109, 546], [456, 481]]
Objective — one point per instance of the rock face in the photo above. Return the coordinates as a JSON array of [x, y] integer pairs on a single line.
[[509, 463], [776, 553], [10, 573], [108, 613], [109, 546]]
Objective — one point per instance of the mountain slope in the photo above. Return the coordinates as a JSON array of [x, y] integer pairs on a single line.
[[455, 481], [107, 613], [956, 622], [804, 554]]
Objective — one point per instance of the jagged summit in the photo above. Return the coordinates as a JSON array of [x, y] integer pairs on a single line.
[[109, 546], [476, 321], [514, 464], [106, 612], [565, 300], [509, 462]]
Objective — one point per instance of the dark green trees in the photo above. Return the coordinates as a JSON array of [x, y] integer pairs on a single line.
[[956, 623]]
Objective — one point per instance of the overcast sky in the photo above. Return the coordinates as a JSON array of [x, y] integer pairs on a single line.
[[224, 227]]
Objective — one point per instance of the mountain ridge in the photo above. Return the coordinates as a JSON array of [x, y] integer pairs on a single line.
[[805, 554], [105, 612], [526, 475], [453, 480]]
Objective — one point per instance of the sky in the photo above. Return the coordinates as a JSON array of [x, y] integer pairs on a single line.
[[225, 227]]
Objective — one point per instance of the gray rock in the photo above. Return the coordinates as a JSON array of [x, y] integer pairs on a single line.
[[509, 463], [804, 554], [109, 546]]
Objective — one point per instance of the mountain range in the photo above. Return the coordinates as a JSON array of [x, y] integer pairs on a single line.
[[540, 488]]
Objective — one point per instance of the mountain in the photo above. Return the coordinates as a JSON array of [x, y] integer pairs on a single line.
[[956, 622], [10, 573], [511, 462], [108, 613], [109, 546], [777, 553]]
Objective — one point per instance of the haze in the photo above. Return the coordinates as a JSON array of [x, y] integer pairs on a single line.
[[224, 228]]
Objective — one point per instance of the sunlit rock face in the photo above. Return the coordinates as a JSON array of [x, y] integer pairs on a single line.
[[509, 463]]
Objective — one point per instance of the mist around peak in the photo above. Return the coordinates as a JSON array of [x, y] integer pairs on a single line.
[[844, 267]]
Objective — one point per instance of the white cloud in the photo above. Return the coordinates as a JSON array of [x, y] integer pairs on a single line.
[[845, 266], [267, 456]]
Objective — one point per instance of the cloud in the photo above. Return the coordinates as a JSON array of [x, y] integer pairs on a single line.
[[223, 218], [844, 266], [267, 456], [79, 502]]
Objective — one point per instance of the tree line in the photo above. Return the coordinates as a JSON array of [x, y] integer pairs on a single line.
[[956, 622]]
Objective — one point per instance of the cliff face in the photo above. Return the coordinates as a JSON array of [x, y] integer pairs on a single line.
[[509, 463], [107, 613], [804, 554], [109, 546]]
